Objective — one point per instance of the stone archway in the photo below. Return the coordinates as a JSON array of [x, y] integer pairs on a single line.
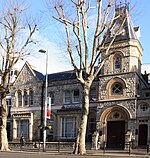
[[114, 124]]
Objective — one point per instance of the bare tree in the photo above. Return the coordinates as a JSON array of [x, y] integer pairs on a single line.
[[16, 34], [88, 25]]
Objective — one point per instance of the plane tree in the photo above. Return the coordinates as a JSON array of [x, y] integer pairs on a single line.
[[90, 32], [16, 36]]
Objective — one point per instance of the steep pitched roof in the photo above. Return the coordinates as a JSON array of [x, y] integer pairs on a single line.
[[123, 21], [35, 73], [39, 75]]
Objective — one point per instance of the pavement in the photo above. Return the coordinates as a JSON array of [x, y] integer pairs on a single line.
[[141, 153]]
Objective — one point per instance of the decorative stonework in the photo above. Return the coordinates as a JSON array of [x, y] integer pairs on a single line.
[[128, 104]]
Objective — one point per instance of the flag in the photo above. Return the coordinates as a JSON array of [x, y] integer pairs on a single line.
[[48, 107]]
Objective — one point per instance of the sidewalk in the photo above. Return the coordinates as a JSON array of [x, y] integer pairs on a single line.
[[120, 153], [117, 153]]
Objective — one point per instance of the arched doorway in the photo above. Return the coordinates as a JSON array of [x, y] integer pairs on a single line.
[[114, 126], [115, 134]]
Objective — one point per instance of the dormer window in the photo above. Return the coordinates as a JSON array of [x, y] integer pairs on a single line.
[[117, 63]]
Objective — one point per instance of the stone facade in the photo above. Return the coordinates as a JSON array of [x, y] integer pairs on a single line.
[[26, 96], [122, 106], [119, 100]]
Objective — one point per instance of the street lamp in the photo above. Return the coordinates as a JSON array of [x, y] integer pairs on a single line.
[[45, 107]]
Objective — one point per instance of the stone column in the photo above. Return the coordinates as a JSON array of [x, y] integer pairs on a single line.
[[14, 129], [31, 127]]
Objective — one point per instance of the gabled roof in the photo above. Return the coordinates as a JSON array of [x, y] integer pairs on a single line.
[[35, 73]]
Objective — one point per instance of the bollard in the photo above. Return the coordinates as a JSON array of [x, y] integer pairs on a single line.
[[104, 147], [39, 145], [129, 148], [59, 146], [147, 148]]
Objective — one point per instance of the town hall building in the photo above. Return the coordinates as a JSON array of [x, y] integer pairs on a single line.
[[119, 98]]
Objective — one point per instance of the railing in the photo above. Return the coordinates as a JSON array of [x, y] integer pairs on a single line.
[[38, 146], [128, 148]]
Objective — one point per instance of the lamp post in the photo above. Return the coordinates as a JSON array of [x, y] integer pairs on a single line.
[[45, 107]]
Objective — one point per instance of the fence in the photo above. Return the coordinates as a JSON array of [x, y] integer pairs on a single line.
[[38, 146]]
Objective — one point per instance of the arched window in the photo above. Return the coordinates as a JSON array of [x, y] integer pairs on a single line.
[[117, 62], [144, 107], [31, 95], [25, 98], [19, 99], [117, 88]]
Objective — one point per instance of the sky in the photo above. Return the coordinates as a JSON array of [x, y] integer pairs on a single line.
[[49, 34]]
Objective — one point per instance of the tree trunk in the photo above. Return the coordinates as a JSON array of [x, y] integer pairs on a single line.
[[4, 140], [80, 142]]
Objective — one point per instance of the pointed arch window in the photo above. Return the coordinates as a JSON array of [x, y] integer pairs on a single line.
[[19, 99], [26, 98], [31, 97], [117, 63]]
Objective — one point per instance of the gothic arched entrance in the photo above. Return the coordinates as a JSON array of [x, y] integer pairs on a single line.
[[114, 124]]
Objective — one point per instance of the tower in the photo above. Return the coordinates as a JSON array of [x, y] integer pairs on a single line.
[[119, 81]]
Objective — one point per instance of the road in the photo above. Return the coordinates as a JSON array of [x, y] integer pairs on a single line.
[[48, 155]]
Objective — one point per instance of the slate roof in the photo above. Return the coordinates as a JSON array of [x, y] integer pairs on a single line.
[[128, 30], [62, 75], [39, 75]]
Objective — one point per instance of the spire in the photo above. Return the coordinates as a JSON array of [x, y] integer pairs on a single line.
[[124, 24]]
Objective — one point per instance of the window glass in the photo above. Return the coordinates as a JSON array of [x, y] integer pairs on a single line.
[[19, 99], [52, 98], [76, 96], [117, 63], [93, 94], [11, 73], [9, 107], [67, 97], [147, 94], [23, 128], [25, 98], [144, 107], [117, 88], [31, 98], [92, 124], [69, 127], [16, 72]]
